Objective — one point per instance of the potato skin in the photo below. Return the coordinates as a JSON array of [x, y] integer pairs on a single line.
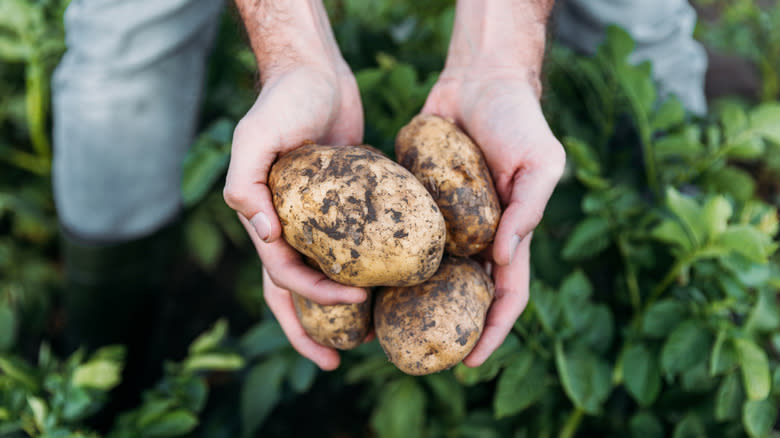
[[340, 326], [363, 218], [432, 326], [454, 171]]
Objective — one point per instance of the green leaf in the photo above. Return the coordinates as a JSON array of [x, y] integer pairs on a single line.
[[174, 423], [214, 362], [748, 272], [265, 337], [732, 181], [488, 370], [153, 409], [724, 355], [697, 379], [221, 131], [661, 317], [260, 393], [717, 211], [18, 371], [376, 368], [641, 374], [448, 393], [687, 345], [192, 393], [302, 374], [755, 369], [646, 425], [689, 213], [545, 304], [7, 327], [40, 411], [574, 296], [400, 410], [748, 242], [77, 404], [204, 241], [669, 114], [210, 339], [734, 120], [520, 385], [585, 378], [691, 426], [589, 237], [765, 119], [759, 416], [202, 167], [673, 233], [99, 374], [729, 399], [747, 146], [369, 78], [684, 145], [599, 332], [765, 316], [582, 155], [618, 44]]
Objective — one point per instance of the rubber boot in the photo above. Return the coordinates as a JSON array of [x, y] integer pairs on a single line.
[[112, 296]]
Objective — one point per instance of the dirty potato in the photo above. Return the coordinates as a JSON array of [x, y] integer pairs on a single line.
[[454, 171], [363, 218], [434, 325], [340, 326]]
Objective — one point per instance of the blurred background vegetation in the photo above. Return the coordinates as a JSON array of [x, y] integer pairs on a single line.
[[653, 310]]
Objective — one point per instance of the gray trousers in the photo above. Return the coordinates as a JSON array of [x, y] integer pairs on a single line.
[[126, 94]]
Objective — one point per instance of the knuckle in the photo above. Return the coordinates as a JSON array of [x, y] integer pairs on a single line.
[[233, 196]]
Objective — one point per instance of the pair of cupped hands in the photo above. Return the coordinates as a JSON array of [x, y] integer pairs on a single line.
[[498, 107]]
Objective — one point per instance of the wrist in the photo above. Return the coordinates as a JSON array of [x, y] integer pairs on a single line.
[[288, 34], [499, 37]]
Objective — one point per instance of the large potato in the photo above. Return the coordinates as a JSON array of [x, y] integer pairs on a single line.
[[454, 171], [363, 218], [341, 326], [432, 326]]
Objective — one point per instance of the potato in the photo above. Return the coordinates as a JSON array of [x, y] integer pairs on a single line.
[[341, 326], [454, 171], [363, 218], [432, 326]]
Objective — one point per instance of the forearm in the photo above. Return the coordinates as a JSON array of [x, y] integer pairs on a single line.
[[500, 35], [286, 33]]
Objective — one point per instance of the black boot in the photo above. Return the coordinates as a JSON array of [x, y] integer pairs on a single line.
[[112, 296]]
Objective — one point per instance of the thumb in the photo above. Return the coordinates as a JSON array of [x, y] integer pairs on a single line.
[[246, 189]]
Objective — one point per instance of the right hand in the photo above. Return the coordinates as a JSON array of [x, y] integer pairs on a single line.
[[305, 102]]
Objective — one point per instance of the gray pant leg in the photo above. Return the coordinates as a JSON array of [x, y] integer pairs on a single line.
[[663, 31], [125, 99]]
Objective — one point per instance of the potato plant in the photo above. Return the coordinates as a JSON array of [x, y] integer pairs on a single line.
[[653, 308]]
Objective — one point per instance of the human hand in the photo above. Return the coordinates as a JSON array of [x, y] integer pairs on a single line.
[[493, 94], [308, 94]]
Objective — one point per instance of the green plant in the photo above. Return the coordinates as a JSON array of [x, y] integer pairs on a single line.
[[54, 397], [750, 28], [653, 306]]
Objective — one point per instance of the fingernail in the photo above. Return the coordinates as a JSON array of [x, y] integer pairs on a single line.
[[262, 225], [513, 247], [488, 268]]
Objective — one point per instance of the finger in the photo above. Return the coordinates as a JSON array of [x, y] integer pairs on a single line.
[[441, 101], [246, 189], [369, 337], [531, 189], [280, 302], [287, 269], [510, 301]]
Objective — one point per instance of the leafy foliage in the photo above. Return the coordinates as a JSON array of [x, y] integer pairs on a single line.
[[653, 305]]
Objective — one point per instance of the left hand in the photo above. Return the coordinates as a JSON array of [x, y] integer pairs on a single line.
[[500, 110]]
